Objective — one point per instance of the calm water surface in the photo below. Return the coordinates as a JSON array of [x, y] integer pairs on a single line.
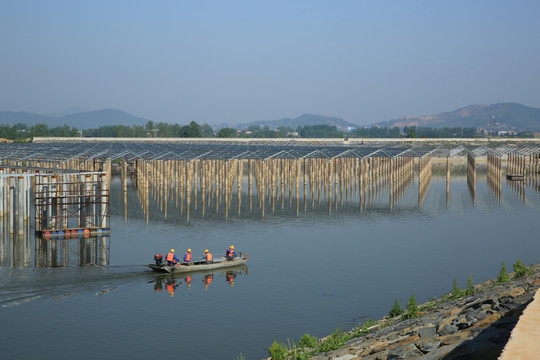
[[308, 273]]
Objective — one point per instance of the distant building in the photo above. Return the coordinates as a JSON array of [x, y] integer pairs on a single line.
[[152, 133], [506, 133]]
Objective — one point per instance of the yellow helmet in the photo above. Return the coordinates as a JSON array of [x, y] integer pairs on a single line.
[[188, 249], [172, 250], [232, 246], [206, 250]]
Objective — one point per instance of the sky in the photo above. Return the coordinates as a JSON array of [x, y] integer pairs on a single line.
[[214, 61]]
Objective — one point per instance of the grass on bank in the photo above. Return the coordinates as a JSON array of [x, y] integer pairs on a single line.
[[308, 345]]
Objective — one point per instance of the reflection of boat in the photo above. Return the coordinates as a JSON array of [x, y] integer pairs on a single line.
[[171, 281], [219, 263]]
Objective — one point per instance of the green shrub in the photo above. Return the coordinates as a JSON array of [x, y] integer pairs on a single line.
[[519, 269], [302, 356], [299, 353], [430, 304], [470, 287], [336, 340], [277, 351], [456, 290], [503, 275], [361, 330], [396, 310], [364, 329], [412, 308], [369, 323], [308, 341]]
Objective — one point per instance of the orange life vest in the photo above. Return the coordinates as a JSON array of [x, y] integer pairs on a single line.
[[208, 257], [188, 256], [170, 257]]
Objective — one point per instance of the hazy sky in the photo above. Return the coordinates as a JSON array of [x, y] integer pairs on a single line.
[[238, 61]]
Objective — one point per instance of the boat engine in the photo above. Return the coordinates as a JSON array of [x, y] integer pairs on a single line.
[[158, 258]]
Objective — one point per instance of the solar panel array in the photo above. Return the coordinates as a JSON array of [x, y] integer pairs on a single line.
[[108, 151]]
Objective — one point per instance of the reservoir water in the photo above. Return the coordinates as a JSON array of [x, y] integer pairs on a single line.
[[310, 272]]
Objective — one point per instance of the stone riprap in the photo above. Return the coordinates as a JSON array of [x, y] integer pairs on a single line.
[[472, 327]]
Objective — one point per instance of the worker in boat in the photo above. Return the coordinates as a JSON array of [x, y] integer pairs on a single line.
[[208, 257], [172, 260], [187, 257], [230, 253]]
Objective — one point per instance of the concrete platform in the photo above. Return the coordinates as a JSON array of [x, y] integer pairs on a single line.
[[524, 341]]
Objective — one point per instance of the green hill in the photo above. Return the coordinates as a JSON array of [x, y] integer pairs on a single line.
[[510, 116], [22, 117], [95, 119], [302, 120]]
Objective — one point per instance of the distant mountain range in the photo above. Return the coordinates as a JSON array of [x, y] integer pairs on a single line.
[[510, 116], [95, 119], [81, 120]]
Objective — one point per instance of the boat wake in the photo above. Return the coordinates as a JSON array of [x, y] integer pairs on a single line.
[[23, 286]]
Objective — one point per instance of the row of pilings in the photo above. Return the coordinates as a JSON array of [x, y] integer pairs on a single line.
[[71, 201], [67, 196], [271, 183], [523, 170], [523, 164], [74, 199], [15, 199]]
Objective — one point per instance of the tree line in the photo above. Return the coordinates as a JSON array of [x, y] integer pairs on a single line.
[[21, 132]]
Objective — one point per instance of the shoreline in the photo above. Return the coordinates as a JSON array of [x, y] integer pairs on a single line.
[[474, 325]]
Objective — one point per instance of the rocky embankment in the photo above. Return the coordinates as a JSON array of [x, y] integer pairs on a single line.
[[472, 327]]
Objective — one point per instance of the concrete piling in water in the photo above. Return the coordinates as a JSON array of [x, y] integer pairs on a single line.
[[471, 175], [424, 177], [494, 175]]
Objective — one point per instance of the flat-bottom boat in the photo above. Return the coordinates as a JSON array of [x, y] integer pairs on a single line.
[[218, 263]]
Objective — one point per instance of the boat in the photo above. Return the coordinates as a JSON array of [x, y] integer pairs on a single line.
[[200, 265]]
